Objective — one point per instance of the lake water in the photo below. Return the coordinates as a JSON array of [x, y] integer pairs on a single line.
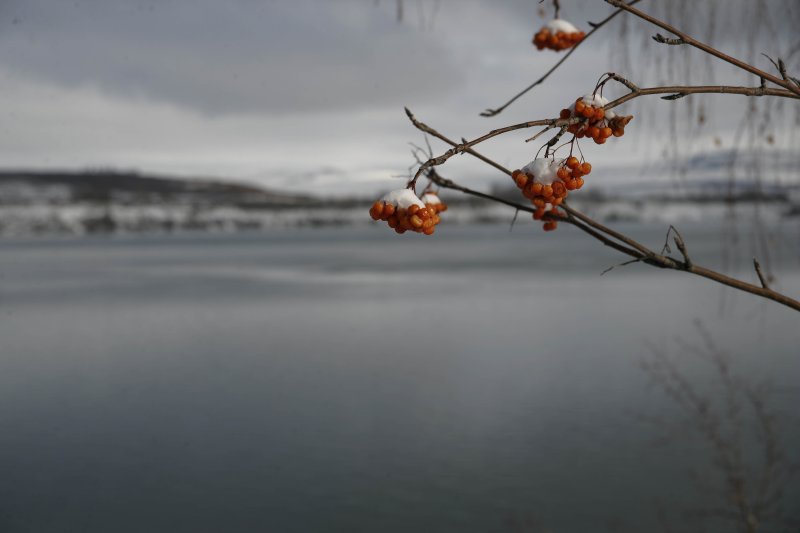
[[348, 379]]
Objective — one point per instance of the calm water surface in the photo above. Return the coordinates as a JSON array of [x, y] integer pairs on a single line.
[[351, 380]]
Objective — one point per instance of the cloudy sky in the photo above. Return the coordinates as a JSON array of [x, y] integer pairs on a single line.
[[300, 95]]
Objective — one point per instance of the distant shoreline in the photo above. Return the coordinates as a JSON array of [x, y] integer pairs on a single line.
[[81, 203]]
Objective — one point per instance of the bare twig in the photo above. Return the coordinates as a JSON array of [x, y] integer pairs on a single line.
[[680, 244], [666, 40], [595, 26], [761, 278]]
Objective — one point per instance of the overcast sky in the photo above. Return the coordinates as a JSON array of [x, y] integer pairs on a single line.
[[290, 94]]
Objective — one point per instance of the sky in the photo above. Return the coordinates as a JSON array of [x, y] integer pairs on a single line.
[[303, 95]]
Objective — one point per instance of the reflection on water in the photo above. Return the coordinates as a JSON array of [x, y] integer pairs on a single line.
[[351, 380]]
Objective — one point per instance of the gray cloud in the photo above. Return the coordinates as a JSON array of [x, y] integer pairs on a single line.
[[221, 57]]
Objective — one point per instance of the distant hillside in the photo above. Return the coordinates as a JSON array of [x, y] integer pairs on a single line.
[[21, 187], [85, 202]]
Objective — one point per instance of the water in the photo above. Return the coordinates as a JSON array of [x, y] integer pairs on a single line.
[[353, 380]]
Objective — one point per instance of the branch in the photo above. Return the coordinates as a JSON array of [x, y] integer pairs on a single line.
[[679, 91], [687, 39], [675, 92], [608, 236], [466, 145], [595, 26]]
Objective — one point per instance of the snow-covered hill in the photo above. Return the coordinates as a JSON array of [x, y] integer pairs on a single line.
[[98, 202]]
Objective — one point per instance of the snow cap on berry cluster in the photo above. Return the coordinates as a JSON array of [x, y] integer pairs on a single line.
[[430, 198], [544, 170], [404, 198], [558, 25], [594, 100]]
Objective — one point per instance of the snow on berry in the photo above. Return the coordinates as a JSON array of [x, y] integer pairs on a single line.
[[403, 211], [596, 122], [557, 35], [404, 198], [433, 202], [546, 183], [561, 25]]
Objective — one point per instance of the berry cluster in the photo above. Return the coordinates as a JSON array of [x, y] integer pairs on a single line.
[[403, 211], [597, 124], [558, 35], [433, 202], [547, 182]]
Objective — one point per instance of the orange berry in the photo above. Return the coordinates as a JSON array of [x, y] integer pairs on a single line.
[[593, 132], [527, 191], [400, 230], [586, 168], [538, 214], [537, 188], [579, 183], [392, 221], [618, 132], [412, 209], [538, 201], [607, 132], [599, 113], [579, 106], [577, 173], [521, 180], [565, 113], [388, 210], [557, 201], [376, 210], [588, 111], [429, 230], [401, 212], [559, 189], [572, 162], [415, 221], [562, 173], [550, 225], [547, 191]]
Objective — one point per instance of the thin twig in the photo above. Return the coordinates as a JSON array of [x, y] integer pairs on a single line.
[[595, 26], [666, 40], [612, 267], [760, 274], [679, 243]]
